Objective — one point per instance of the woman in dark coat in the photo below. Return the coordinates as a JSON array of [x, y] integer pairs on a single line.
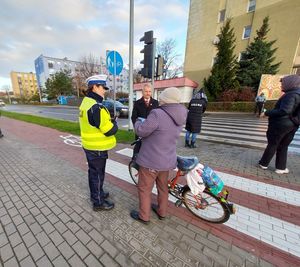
[[196, 108], [282, 124]]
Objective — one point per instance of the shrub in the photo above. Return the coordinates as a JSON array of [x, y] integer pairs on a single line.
[[229, 95], [246, 94]]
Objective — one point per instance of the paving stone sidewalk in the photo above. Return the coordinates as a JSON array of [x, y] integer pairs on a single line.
[[46, 220], [241, 160]]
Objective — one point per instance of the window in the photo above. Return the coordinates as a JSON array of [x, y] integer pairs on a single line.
[[214, 60], [222, 15], [242, 55], [247, 32], [251, 5], [50, 64]]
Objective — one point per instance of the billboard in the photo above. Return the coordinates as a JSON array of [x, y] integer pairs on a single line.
[[270, 85]]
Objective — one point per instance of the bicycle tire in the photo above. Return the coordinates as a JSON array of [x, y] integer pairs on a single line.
[[220, 209], [133, 171]]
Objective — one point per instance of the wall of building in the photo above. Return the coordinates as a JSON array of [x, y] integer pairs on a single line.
[[24, 84], [204, 26], [46, 66]]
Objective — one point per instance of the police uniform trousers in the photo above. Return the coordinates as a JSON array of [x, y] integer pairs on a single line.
[[96, 162], [147, 178]]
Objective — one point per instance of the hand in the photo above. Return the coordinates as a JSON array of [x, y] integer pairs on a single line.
[[114, 119]]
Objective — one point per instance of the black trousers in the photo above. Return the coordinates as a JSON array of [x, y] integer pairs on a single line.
[[97, 163], [279, 139], [258, 107]]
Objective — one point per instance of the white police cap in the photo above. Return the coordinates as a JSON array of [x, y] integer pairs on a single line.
[[97, 79]]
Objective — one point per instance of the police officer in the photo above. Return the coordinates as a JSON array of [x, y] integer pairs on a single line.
[[97, 135]]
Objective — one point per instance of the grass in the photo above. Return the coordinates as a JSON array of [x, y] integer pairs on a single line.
[[122, 136]]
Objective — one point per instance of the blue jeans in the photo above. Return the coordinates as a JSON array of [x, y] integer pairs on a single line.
[[96, 162], [188, 134]]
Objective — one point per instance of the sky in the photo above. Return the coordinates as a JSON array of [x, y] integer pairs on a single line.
[[78, 28]]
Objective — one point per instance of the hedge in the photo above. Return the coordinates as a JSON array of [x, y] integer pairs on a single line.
[[237, 106]]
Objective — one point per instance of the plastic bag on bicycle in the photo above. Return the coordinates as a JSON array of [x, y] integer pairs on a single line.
[[212, 181], [194, 179]]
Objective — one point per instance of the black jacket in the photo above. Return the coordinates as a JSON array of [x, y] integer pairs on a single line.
[[194, 119], [141, 110], [280, 116]]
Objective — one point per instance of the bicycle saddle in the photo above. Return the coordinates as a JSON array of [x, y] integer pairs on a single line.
[[187, 163]]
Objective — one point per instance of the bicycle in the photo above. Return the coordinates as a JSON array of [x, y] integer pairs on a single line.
[[206, 206]]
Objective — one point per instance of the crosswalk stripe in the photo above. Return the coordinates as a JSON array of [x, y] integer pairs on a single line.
[[240, 131], [271, 230], [281, 194]]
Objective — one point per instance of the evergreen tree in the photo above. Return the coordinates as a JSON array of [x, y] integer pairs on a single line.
[[223, 73], [258, 58], [59, 84]]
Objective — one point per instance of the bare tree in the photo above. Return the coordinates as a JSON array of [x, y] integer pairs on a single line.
[[88, 66], [137, 78], [167, 49]]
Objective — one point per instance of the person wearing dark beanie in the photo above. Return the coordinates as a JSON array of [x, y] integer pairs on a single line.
[[283, 124]]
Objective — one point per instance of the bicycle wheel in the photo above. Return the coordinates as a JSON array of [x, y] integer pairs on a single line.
[[206, 206], [133, 171]]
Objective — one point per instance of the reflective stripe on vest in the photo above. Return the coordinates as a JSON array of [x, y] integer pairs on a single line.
[[93, 138]]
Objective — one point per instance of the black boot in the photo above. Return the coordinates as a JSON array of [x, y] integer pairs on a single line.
[[187, 144], [193, 145]]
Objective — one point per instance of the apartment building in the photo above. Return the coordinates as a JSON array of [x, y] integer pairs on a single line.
[[24, 84], [46, 66], [206, 17]]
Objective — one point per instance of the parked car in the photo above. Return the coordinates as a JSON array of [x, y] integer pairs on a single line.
[[2, 104], [121, 110], [124, 100]]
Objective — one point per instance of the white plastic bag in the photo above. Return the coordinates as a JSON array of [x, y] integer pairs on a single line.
[[194, 179]]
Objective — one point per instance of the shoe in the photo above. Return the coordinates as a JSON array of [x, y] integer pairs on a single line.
[[106, 205], [193, 145], [135, 215], [105, 195], [286, 170], [187, 144], [262, 166], [154, 208]]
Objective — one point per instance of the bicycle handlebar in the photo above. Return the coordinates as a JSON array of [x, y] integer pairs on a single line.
[[136, 141]]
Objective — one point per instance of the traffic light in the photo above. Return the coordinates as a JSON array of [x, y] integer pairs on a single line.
[[146, 71], [159, 66]]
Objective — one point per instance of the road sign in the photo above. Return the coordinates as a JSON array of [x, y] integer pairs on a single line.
[[114, 63]]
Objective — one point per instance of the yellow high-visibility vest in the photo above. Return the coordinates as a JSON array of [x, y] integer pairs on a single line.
[[93, 138]]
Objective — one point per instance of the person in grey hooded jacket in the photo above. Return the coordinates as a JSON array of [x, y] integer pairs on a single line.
[[282, 127], [157, 156]]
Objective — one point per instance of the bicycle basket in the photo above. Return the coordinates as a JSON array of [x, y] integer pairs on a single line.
[[212, 181]]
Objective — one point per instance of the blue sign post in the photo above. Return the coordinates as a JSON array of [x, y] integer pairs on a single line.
[[114, 65]]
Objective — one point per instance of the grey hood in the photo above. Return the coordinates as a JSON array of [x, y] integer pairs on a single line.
[[177, 112]]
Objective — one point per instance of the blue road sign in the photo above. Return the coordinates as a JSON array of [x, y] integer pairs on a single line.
[[114, 63]]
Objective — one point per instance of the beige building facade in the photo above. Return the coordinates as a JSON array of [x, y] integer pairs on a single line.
[[206, 17], [24, 84]]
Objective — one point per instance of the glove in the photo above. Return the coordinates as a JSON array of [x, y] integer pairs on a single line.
[[141, 119]]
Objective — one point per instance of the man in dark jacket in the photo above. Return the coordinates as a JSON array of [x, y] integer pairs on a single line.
[[141, 109], [282, 126], [197, 107]]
